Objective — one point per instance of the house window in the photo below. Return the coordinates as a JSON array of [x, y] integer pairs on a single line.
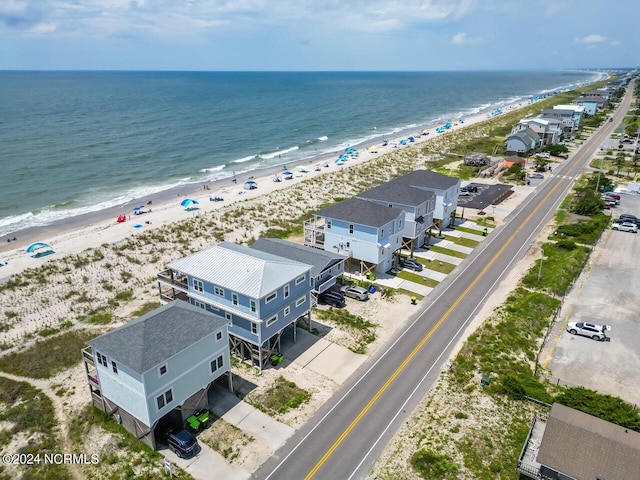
[[168, 396], [162, 370], [253, 305], [198, 286], [286, 291], [165, 399], [102, 360], [287, 310], [399, 223], [114, 366], [271, 297], [199, 304], [328, 224], [299, 280], [272, 320], [254, 328], [348, 245], [216, 363], [218, 336], [160, 401], [300, 301], [218, 291], [382, 232], [227, 315], [234, 298], [351, 228]]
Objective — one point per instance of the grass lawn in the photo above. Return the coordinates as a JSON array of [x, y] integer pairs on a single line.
[[473, 231], [465, 242], [446, 251], [417, 278], [437, 266]]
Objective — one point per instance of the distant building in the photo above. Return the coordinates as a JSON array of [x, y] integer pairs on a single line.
[[326, 266], [154, 372], [591, 105], [574, 445], [570, 116], [366, 231], [260, 294]]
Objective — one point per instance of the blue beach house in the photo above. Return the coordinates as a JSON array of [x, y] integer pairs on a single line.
[[417, 204], [367, 232], [259, 294], [153, 373]]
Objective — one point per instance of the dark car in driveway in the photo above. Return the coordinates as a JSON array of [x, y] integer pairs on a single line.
[[335, 299], [182, 443], [469, 188], [625, 217], [411, 264]]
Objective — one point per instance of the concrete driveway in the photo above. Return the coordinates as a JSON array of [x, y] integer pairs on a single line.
[[605, 293]]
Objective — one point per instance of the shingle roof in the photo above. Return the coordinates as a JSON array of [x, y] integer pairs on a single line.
[[361, 212], [241, 269], [153, 338], [397, 193], [319, 260], [584, 446], [426, 179]]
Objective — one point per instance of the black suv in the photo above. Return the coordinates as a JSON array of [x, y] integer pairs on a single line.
[[332, 298], [469, 188], [625, 217], [411, 264], [183, 443]]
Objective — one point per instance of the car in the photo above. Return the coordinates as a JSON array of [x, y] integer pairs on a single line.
[[596, 332], [182, 443], [626, 217], [469, 188], [353, 291], [611, 200], [536, 175], [463, 193], [333, 298], [543, 155], [411, 264], [625, 227]]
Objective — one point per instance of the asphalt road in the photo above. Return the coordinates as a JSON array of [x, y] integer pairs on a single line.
[[347, 435]]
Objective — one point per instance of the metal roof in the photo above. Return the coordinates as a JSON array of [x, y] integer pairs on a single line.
[[240, 269], [152, 339], [319, 260], [397, 193], [361, 212], [583, 446], [426, 179]]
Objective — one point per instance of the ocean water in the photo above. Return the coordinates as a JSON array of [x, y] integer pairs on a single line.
[[76, 142]]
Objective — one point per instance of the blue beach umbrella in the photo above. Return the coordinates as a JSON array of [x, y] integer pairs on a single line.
[[187, 202], [135, 209], [36, 246]]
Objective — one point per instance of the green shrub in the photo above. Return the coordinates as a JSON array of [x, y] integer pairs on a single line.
[[433, 466]]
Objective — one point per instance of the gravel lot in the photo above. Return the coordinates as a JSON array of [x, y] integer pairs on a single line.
[[606, 292]]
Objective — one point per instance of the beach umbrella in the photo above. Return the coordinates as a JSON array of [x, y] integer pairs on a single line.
[[135, 209], [36, 246], [187, 202], [250, 185], [303, 169]]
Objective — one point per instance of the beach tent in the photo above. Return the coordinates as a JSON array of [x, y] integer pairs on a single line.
[[188, 203], [250, 185], [277, 178], [121, 218], [41, 249], [36, 246], [136, 209], [303, 169], [287, 175], [318, 167]]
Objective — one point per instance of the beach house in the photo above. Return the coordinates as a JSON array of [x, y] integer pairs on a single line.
[[549, 130], [445, 188], [417, 204], [153, 373], [591, 105], [259, 294], [326, 267], [522, 141], [570, 444], [366, 232], [569, 115]]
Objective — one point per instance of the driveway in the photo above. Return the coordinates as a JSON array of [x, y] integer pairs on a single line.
[[605, 293]]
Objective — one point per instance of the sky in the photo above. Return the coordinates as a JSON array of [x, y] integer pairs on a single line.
[[312, 35]]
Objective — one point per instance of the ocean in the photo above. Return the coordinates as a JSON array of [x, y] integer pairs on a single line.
[[79, 142]]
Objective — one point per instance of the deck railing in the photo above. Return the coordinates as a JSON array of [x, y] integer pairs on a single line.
[[169, 276]]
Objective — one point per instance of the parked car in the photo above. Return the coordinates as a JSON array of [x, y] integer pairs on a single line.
[[626, 217], [609, 199], [543, 155], [596, 332], [333, 298], [356, 292], [411, 264], [182, 443], [536, 175], [625, 227], [469, 188]]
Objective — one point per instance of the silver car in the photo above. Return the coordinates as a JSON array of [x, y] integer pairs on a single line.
[[596, 332], [353, 291]]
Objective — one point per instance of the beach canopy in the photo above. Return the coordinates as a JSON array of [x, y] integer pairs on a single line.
[[36, 246], [303, 169], [135, 209], [188, 202], [250, 185]]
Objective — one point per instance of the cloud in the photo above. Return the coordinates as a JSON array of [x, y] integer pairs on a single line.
[[20, 13], [462, 39], [589, 39]]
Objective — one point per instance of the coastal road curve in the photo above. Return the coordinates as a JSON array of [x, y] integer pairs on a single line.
[[346, 436]]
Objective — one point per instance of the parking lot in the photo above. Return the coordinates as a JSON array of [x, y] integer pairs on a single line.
[[605, 293]]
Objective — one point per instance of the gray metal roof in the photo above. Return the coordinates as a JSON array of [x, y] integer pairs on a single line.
[[584, 446], [361, 212], [397, 193], [426, 179], [241, 269], [319, 260], [152, 339]]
